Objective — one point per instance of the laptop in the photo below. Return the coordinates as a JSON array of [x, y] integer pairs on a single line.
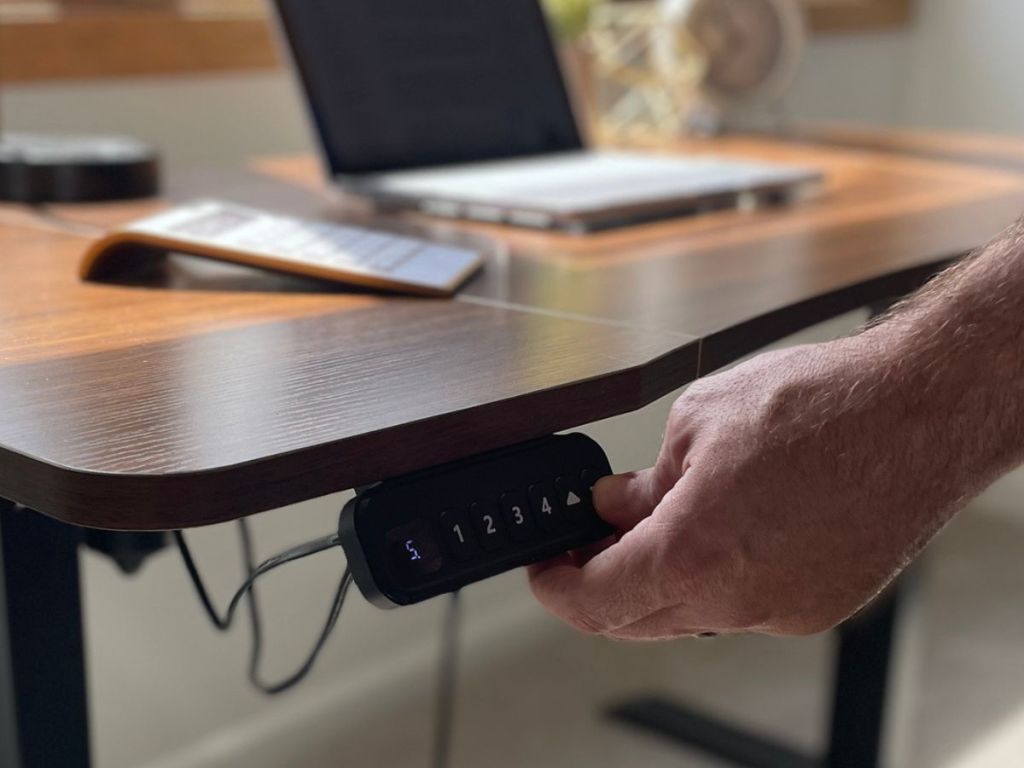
[[458, 108]]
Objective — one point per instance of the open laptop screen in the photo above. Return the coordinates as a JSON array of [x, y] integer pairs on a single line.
[[397, 84]]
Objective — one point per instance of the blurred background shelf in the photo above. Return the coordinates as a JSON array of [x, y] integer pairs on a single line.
[[43, 40]]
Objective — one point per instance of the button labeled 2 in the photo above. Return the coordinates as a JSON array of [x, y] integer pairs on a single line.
[[490, 528]]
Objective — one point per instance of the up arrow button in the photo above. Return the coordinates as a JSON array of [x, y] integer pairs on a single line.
[[574, 499]]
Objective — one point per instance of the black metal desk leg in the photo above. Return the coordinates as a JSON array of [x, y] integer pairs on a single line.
[[863, 702], [43, 714], [859, 702], [862, 674]]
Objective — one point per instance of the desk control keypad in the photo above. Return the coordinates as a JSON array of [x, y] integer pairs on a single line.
[[434, 531]]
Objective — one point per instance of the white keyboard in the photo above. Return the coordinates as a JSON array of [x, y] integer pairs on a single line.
[[347, 254]]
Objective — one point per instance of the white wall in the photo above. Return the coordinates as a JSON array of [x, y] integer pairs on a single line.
[[958, 66], [218, 120], [852, 77], [966, 66], [150, 651]]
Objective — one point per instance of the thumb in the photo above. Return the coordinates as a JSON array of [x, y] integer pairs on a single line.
[[624, 500]]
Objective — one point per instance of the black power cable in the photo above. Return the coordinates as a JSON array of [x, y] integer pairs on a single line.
[[445, 711], [247, 589]]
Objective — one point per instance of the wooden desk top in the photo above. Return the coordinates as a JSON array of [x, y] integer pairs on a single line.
[[189, 393]]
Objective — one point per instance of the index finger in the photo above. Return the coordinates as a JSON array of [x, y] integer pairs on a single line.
[[616, 587]]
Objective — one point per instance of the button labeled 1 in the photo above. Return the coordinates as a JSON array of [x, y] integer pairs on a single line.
[[457, 537]]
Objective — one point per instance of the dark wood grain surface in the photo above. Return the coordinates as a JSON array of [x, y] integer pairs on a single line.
[[129, 406], [183, 393], [738, 280]]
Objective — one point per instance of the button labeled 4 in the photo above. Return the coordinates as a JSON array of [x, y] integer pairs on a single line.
[[547, 510]]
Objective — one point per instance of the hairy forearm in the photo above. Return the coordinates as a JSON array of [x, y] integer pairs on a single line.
[[952, 357], [790, 489]]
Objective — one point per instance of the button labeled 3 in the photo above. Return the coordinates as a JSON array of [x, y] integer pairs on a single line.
[[517, 516]]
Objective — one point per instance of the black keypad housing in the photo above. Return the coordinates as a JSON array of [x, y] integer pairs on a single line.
[[431, 532]]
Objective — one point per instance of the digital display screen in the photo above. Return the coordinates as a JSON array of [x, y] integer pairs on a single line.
[[412, 552], [397, 84]]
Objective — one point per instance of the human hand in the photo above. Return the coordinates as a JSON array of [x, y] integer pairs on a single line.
[[787, 493]]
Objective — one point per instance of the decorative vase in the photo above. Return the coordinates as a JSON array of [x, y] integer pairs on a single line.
[[643, 72]]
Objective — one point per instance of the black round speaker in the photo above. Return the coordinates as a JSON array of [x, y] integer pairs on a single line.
[[56, 168]]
